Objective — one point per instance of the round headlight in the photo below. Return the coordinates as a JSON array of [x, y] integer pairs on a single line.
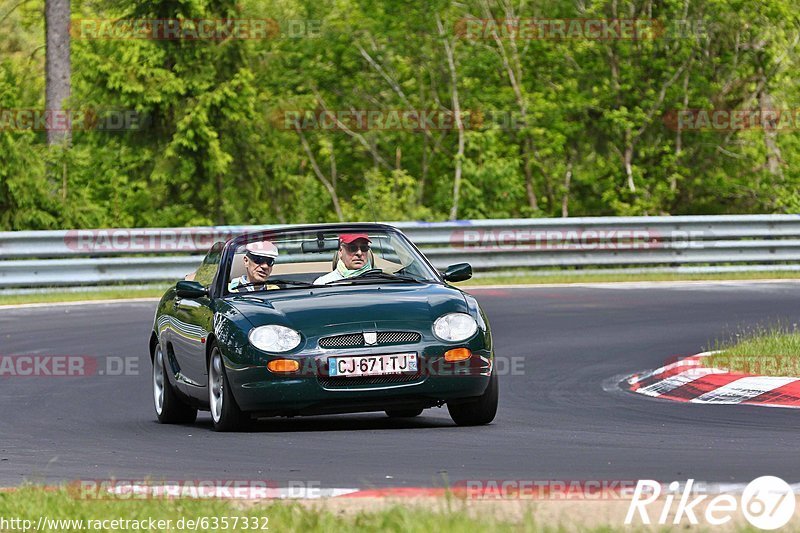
[[274, 338], [455, 327]]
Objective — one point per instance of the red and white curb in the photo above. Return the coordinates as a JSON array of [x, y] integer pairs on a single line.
[[690, 380]]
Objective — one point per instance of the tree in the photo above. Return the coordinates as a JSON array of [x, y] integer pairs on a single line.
[[58, 66]]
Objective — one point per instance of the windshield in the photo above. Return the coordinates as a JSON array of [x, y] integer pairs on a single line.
[[288, 260]]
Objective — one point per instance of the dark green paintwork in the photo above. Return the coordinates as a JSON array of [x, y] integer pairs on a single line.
[[187, 326]]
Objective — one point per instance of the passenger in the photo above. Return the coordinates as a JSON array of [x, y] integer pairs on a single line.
[[354, 258], [258, 261]]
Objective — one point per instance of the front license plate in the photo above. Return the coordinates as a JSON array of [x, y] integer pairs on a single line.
[[372, 365]]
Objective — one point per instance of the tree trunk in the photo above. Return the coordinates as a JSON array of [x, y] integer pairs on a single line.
[[673, 181], [774, 157], [451, 62], [219, 218], [57, 67], [533, 201], [565, 197], [627, 161]]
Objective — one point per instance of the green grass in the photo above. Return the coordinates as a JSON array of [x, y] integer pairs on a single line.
[[763, 351], [30, 503], [64, 296]]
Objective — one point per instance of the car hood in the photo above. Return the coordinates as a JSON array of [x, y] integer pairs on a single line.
[[325, 310]]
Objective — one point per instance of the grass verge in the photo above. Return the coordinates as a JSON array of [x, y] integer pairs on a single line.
[[44, 508], [66, 512], [762, 351], [75, 296]]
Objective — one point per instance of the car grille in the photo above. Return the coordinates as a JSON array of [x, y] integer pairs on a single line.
[[345, 382], [355, 340]]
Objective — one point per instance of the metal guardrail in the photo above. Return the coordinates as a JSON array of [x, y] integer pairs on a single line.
[[742, 242]]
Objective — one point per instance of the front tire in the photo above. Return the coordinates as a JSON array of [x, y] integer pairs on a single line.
[[170, 409], [225, 413], [478, 411]]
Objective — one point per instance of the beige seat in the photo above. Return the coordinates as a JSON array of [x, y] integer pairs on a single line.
[[237, 267]]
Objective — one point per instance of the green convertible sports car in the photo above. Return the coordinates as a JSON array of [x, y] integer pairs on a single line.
[[337, 318]]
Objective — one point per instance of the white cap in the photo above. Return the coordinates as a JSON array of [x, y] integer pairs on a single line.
[[262, 249]]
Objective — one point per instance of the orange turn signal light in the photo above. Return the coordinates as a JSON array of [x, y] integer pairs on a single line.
[[457, 354], [283, 365]]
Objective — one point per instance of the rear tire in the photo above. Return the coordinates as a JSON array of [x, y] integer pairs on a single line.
[[170, 409], [225, 413], [478, 411], [403, 413]]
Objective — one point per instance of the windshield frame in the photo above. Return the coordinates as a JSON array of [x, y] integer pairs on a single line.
[[231, 247]]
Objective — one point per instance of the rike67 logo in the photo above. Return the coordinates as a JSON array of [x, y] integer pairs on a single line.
[[767, 502]]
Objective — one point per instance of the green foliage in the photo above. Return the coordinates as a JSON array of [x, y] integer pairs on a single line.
[[386, 197], [558, 126], [27, 200]]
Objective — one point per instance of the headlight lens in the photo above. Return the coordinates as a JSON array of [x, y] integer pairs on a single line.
[[455, 327], [274, 338]]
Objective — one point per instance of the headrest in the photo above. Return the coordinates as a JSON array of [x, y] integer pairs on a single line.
[[237, 267]]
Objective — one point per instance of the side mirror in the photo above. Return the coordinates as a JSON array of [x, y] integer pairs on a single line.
[[190, 289], [458, 272]]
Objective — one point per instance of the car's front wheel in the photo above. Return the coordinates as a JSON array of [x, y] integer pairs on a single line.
[[477, 411], [225, 413], [170, 409]]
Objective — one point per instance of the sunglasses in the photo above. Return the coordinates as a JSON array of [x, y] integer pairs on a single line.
[[353, 248], [260, 259]]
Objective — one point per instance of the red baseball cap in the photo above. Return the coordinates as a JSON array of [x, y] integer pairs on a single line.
[[347, 238]]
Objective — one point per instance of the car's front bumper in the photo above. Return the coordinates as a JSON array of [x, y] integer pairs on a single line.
[[311, 391]]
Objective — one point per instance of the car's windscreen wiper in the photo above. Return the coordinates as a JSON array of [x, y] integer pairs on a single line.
[[376, 274]]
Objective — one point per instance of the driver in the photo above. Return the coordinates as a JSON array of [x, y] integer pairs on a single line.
[[258, 261], [354, 258]]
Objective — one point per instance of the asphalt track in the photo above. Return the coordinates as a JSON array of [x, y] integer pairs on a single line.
[[556, 419]]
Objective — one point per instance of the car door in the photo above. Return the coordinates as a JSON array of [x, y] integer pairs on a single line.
[[194, 319]]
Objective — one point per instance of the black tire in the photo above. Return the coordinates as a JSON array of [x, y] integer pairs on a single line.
[[478, 411], [225, 413], [403, 413], [170, 409]]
